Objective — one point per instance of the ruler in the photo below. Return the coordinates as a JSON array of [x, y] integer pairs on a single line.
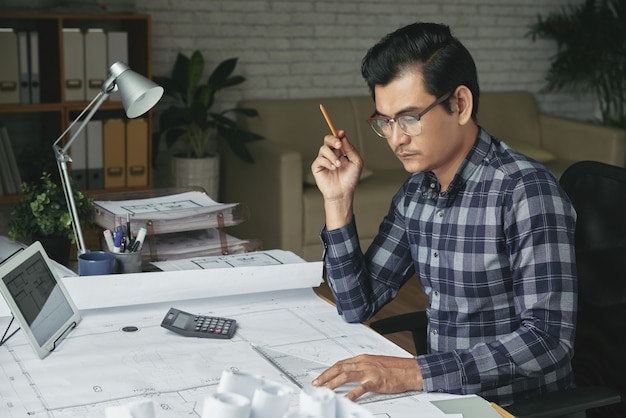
[[300, 371]]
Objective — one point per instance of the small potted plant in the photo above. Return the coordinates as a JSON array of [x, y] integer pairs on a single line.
[[190, 127], [42, 215]]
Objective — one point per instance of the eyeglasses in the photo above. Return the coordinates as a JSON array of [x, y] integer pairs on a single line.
[[409, 123]]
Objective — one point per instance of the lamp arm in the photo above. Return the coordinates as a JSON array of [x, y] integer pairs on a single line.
[[63, 158]]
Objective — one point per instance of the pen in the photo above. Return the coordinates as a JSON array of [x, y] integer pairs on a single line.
[[117, 242], [330, 125], [128, 233], [108, 238], [139, 240]]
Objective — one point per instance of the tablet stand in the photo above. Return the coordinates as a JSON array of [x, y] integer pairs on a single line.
[[3, 339], [68, 329]]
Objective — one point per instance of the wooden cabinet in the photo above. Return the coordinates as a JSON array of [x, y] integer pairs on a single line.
[[33, 127]]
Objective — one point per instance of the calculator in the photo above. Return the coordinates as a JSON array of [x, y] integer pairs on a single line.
[[202, 326]]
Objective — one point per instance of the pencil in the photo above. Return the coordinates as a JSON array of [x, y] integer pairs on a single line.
[[501, 411], [330, 125]]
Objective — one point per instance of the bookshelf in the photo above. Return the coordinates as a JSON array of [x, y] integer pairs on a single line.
[[33, 127]]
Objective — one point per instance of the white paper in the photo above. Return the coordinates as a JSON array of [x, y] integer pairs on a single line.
[[257, 258], [172, 206], [99, 365], [112, 290]]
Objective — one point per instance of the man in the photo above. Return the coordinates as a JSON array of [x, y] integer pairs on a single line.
[[488, 231]]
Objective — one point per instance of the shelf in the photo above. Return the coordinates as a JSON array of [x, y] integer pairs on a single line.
[[35, 126]]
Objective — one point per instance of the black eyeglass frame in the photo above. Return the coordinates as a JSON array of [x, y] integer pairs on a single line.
[[373, 121]]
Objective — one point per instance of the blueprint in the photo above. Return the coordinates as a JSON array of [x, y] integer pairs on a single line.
[[119, 354], [100, 364]]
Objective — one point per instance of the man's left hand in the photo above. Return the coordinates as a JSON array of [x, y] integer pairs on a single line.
[[378, 374]]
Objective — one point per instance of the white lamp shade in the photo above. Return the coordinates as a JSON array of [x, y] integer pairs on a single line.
[[138, 94]]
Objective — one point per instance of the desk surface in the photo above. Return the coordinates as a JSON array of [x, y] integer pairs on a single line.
[[100, 364]]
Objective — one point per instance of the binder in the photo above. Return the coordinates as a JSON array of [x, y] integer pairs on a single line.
[[24, 58], [137, 152], [6, 183], [9, 155], [95, 61], [95, 157], [78, 153], [10, 184], [34, 67], [74, 62], [114, 146], [9, 70], [117, 50]]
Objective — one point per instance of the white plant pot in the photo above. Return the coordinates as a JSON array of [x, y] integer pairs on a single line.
[[202, 172]]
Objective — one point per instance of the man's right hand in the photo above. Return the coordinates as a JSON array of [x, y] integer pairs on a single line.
[[336, 177]]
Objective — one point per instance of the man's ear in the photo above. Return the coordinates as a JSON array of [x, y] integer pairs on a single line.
[[464, 104]]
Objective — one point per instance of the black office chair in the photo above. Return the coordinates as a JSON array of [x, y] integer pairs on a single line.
[[598, 193]]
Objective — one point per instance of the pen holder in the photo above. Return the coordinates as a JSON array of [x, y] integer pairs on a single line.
[[128, 262]]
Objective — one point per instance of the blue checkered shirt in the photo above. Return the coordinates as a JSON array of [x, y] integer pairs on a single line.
[[495, 256]]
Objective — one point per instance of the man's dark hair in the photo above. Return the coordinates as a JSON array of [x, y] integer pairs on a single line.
[[430, 48]]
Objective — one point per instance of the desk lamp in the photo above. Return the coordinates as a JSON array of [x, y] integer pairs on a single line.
[[138, 95]]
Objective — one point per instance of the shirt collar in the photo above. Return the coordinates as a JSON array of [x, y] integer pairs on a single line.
[[476, 158]]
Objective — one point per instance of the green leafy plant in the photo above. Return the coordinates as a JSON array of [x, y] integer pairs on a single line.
[[591, 53], [190, 120], [42, 212]]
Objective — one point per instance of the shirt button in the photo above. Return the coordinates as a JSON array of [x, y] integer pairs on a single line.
[[436, 254], [432, 185], [440, 214], [435, 332], [436, 293]]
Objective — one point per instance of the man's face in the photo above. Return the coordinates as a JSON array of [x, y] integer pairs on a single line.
[[436, 148]]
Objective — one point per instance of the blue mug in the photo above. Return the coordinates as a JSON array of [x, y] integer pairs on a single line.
[[96, 263]]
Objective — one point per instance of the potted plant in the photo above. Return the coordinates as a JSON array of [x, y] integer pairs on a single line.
[[42, 215], [192, 129], [591, 53]]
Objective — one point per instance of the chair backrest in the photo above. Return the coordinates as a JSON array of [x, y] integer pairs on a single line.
[[598, 193]]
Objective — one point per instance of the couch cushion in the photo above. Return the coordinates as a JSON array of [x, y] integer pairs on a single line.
[[299, 123], [309, 179], [510, 116], [371, 203], [533, 151]]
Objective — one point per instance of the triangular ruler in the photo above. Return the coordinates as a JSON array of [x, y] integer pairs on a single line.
[[301, 371]]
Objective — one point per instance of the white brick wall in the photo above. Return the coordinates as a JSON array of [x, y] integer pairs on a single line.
[[297, 48]]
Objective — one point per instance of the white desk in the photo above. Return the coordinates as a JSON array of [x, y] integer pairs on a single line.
[[99, 364]]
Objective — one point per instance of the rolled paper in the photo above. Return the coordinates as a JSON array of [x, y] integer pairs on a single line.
[[318, 401], [226, 405], [271, 400], [239, 382]]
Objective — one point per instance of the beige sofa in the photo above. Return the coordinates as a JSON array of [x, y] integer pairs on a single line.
[[286, 208]]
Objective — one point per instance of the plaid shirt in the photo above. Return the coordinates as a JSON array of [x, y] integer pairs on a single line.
[[495, 255]]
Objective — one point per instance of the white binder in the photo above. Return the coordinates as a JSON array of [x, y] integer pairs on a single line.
[[117, 50], [34, 67], [74, 60], [9, 71], [78, 153], [95, 61], [95, 156], [24, 57]]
